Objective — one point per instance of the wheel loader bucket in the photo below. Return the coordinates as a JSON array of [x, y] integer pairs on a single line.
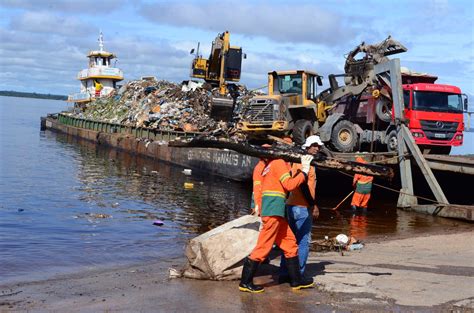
[[222, 108]]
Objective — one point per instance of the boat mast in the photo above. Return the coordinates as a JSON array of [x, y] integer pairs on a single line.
[[101, 42]]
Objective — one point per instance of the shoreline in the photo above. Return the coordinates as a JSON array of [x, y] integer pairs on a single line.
[[431, 271]]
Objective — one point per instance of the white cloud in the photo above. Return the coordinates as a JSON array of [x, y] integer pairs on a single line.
[[72, 6], [279, 22], [46, 22]]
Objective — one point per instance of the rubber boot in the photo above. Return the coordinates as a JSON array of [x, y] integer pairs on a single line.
[[297, 281], [246, 282], [283, 279]]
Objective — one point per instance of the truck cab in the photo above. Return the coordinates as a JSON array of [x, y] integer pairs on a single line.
[[435, 114]]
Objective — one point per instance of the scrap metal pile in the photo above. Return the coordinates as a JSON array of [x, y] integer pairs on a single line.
[[160, 104]]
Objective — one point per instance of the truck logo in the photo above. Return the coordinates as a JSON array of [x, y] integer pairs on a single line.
[[439, 124]]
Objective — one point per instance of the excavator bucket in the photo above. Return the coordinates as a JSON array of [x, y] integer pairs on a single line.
[[222, 108]]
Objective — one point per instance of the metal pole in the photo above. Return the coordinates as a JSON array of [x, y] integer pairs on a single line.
[[393, 68]]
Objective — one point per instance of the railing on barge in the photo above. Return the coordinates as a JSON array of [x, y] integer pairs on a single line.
[[115, 128]]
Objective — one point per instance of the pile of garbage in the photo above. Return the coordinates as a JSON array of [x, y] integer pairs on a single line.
[[159, 104], [339, 243]]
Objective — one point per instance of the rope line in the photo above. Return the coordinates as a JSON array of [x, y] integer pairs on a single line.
[[405, 193]]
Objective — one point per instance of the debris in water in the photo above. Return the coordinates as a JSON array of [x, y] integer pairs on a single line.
[[158, 223], [187, 171]]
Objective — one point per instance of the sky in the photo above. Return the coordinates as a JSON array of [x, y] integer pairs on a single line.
[[44, 43]]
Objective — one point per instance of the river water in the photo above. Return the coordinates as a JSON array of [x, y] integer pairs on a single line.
[[67, 205]]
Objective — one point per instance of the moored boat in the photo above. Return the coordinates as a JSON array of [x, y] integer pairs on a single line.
[[100, 78]]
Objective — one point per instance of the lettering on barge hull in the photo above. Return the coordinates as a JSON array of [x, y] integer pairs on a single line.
[[221, 162], [220, 158]]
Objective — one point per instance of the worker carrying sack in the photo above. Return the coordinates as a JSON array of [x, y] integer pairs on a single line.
[[219, 253]]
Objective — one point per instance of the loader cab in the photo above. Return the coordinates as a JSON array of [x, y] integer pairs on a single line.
[[299, 84]]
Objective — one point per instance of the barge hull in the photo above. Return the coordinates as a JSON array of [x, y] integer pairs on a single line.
[[223, 163]]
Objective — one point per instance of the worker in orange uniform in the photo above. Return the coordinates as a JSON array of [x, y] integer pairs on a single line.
[[257, 184], [277, 181], [301, 209], [363, 187]]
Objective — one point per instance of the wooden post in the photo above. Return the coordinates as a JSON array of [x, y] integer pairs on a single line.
[[425, 169]]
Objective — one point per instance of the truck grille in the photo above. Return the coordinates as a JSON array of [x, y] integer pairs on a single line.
[[260, 112], [438, 130]]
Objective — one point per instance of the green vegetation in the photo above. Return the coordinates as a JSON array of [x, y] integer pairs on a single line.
[[31, 95]]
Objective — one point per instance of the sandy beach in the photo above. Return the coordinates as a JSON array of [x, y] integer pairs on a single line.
[[433, 272]]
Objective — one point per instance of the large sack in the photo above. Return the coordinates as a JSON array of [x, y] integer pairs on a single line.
[[218, 254]]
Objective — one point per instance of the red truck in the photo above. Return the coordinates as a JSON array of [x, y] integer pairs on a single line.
[[434, 113]]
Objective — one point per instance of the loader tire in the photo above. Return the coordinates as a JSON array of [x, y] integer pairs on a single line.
[[383, 109], [302, 130], [344, 136], [392, 141]]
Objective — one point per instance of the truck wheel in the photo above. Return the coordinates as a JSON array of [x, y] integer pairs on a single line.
[[344, 136], [392, 141], [302, 130], [383, 109]]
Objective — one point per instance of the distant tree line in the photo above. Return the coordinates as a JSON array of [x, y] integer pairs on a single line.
[[31, 95]]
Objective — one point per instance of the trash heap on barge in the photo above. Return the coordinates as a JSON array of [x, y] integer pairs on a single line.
[[159, 104]]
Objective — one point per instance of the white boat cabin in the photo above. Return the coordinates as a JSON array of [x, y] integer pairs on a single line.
[[100, 78]]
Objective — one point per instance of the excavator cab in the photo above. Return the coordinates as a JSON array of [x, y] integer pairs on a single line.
[[223, 65]]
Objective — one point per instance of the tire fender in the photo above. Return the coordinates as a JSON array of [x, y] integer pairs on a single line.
[[325, 131]]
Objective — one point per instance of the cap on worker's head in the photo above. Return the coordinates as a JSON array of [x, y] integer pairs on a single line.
[[266, 145], [360, 159], [311, 140]]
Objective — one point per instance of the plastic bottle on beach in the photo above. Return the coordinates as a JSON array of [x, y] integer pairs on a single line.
[[356, 246]]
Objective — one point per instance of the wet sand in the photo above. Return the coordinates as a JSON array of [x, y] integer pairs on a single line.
[[430, 272]]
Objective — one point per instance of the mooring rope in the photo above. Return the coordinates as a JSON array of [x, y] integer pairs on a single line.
[[406, 193]]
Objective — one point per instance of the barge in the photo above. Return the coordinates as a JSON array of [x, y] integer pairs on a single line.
[[153, 143]]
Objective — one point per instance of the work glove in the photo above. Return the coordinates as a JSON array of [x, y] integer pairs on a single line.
[[306, 163]]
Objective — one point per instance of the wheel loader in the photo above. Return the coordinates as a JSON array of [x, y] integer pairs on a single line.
[[291, 105], [223, 65]]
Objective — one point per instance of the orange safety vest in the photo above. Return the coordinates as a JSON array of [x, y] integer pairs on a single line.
[[276, 182], [363, 183], [296, 196]]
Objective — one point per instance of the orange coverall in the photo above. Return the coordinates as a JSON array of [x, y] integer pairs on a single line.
[[363, 186], [276, 182], [257, 186]]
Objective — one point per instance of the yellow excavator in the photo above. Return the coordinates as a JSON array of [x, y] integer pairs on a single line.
[[223, 65]]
